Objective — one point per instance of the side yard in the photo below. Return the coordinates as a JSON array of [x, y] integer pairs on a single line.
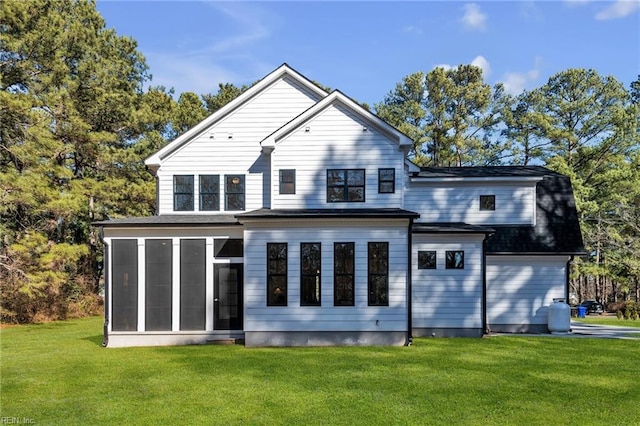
[[58, 373]]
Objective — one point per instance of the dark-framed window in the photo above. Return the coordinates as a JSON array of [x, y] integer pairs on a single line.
[[345, 185], [427, 259], [454, 259], [386, 181], [310, 278], [487, 202], [343, 274], [228, 247], [287, 181], [276, 274], [209, 193], [182, 193], [378, 273], [234, 192]]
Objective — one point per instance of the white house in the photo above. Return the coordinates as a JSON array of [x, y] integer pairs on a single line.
[[291, 216]]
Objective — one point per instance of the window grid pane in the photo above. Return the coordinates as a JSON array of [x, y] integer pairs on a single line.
[[378, 273], [288, 181], [487, 202], [183, 192], [310, 268], [454, 259], [426, 260], [386, 181], [276, 274], [234, 198], [209, 192], [344, 277], [345, 185]]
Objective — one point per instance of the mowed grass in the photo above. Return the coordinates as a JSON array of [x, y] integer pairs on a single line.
[[608, 320], [59, 374]]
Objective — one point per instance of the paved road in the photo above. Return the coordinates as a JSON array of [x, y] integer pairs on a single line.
[[604, 331]]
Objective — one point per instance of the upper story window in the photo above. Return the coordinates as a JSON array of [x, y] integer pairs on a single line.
[[487, 202], [287, 181], [276, 274], [234, 192], [344, 274], [345, 185], [209, 192], [427, 259], [182, 193], [454, 259], [310, 267], [378, 273], [386, 181]]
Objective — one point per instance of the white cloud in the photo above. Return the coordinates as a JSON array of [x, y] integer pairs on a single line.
[[619, 9], [411, 29], [482, 63], [473, 18], [516, 82]]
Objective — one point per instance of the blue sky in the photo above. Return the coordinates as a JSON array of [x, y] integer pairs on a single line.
[[365, 48]]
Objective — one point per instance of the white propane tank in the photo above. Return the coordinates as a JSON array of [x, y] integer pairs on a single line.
[[559, 317]]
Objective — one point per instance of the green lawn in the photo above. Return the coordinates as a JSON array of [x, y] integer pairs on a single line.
[[59, 374], [608, 320]]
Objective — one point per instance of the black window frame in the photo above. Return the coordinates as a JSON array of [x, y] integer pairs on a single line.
[[285, 180], [490, 199], [313, 277], [226, 248], [344, 273], [375, 271], [450, 259], [345, 186], [382, 181], [181, 190], [277, 272], [240, 194], [430, 262], [202, 193]]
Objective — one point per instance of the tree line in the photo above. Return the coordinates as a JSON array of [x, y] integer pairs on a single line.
[[78, 116]]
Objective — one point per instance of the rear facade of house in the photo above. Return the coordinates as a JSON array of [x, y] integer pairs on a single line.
[[292, 217]]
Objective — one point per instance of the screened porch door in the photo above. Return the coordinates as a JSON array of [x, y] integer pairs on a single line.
[[227, 296]]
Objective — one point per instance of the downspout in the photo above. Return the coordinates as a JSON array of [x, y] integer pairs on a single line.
[[567, 279], [485, 329], [409, 287], [105, 268]]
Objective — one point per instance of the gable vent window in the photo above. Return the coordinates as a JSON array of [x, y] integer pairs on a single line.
[[234, 192], [487, 202], [386, 181], [182, 193], [288, 181], [345, 185], [209, 192]]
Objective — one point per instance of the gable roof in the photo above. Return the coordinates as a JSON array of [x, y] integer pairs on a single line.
[[283, 70], [269, 143], [557, 230], [483, 171]]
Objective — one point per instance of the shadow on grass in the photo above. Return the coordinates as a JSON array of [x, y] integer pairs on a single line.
[[97, 339]]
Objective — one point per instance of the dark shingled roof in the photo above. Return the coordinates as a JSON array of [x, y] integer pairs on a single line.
[[450, 227], [171, 219], [329, 213], [488, 171], [557, 230]]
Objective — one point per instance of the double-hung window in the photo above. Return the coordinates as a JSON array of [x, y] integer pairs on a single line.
[[310, 267], [209, 192], [345, 185], [378, 273], [182, 193], [343, 274], [276, 274], [287, 181], [386, 181], [234, 192]]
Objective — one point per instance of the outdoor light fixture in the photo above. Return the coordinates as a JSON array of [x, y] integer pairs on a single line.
[[307, 129]]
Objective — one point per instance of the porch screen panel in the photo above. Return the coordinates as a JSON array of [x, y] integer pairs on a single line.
[[192, 285], [124, 285], [158, 267]]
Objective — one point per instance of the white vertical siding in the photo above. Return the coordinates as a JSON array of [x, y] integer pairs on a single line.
[[520, 288], [335, 140], [232, 145], [361, 317], [447, 298], [457, 202]]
